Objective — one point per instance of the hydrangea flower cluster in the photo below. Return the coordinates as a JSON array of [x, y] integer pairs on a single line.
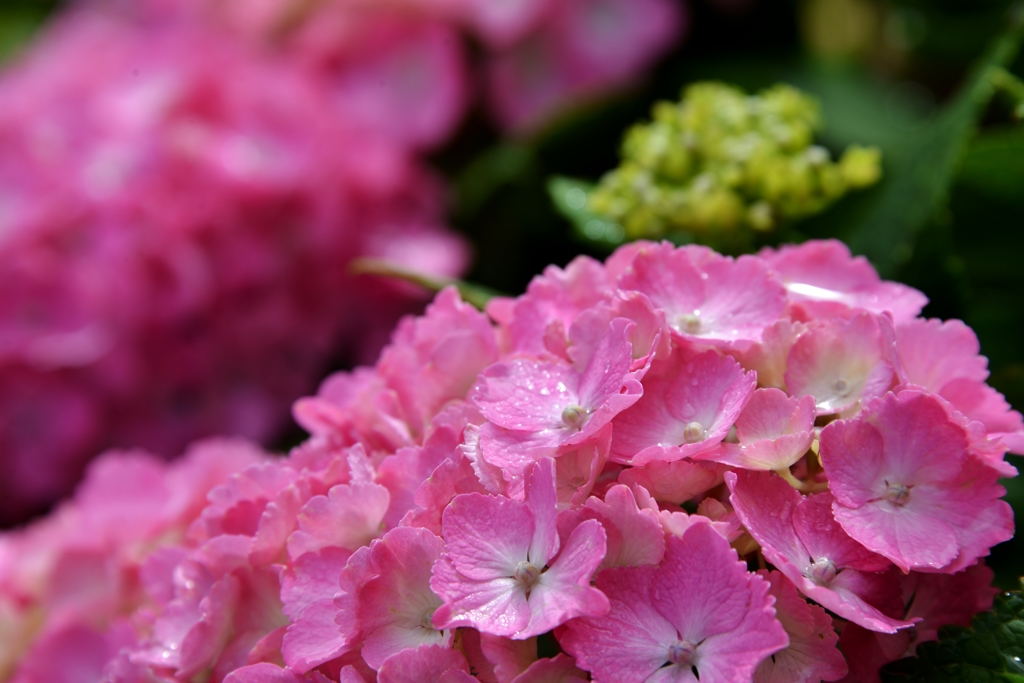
[[176, 216], [402, 66], [573, 486], [721, 163]]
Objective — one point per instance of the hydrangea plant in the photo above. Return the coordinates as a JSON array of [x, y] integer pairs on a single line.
[[671, 466]]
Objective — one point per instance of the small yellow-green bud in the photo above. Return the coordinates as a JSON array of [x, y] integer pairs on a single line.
[[720, 164], [861, 166]]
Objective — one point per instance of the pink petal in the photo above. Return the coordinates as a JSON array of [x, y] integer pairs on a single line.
[[487, 536], [687, 408], [673, 482], [422, 664], [635, 536], [563, 591], [347, 517], [812, 654], [307, 591], [839, 363]]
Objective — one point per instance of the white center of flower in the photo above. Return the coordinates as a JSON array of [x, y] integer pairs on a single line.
[[841, 387], [690, 323], [681, 652], [573, 416], [897, 494], [823, 571], [427, 620], [526, 574], [694, 432]]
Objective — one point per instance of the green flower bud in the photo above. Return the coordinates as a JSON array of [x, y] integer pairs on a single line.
[[721, 164]]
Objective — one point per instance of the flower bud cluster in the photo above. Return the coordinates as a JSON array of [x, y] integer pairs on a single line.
[[571, 486], [720, 163]]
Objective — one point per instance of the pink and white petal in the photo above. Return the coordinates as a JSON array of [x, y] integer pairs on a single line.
[[934, 353], [631, 642], [735, 655], [422, 664], [308, 588], [635, 536], [497, 606], [812, 655], [542, 502], [766, 504], [673, 482], [770, 413], [564, 590], [839, 363], [486, 536], [853, 455], [526, 395], [823, 537], [701, 587], [922, 442], [347, 517], [910, 535]]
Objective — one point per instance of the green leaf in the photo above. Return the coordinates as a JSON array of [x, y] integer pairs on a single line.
[[924, 166], [991, 650], [570, 197], [994, 165]]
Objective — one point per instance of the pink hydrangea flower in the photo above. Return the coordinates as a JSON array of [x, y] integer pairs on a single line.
[[699, 614], [537, 409], [213, 200], [800, 538], [707, 297], [393, 608], [942, 357], [812, 655], [405, 540], [505, 571], [774, 431], [687, 408], [906, 487], [840, 363], [822, 280]]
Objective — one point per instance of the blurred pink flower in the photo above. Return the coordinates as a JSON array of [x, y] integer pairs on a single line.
[[176, 216]]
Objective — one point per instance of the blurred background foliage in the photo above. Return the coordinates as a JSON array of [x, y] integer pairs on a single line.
[[947, 217]]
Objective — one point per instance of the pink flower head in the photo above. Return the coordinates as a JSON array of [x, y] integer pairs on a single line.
[[707, 297], [687, 408], [840, 363], [774, 431], [699, 614], [943, 358], [635, 536], [823, 280], [812, 655], [536, 408], [906, 488], [799, 537], [213, 199], [504, 570]]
